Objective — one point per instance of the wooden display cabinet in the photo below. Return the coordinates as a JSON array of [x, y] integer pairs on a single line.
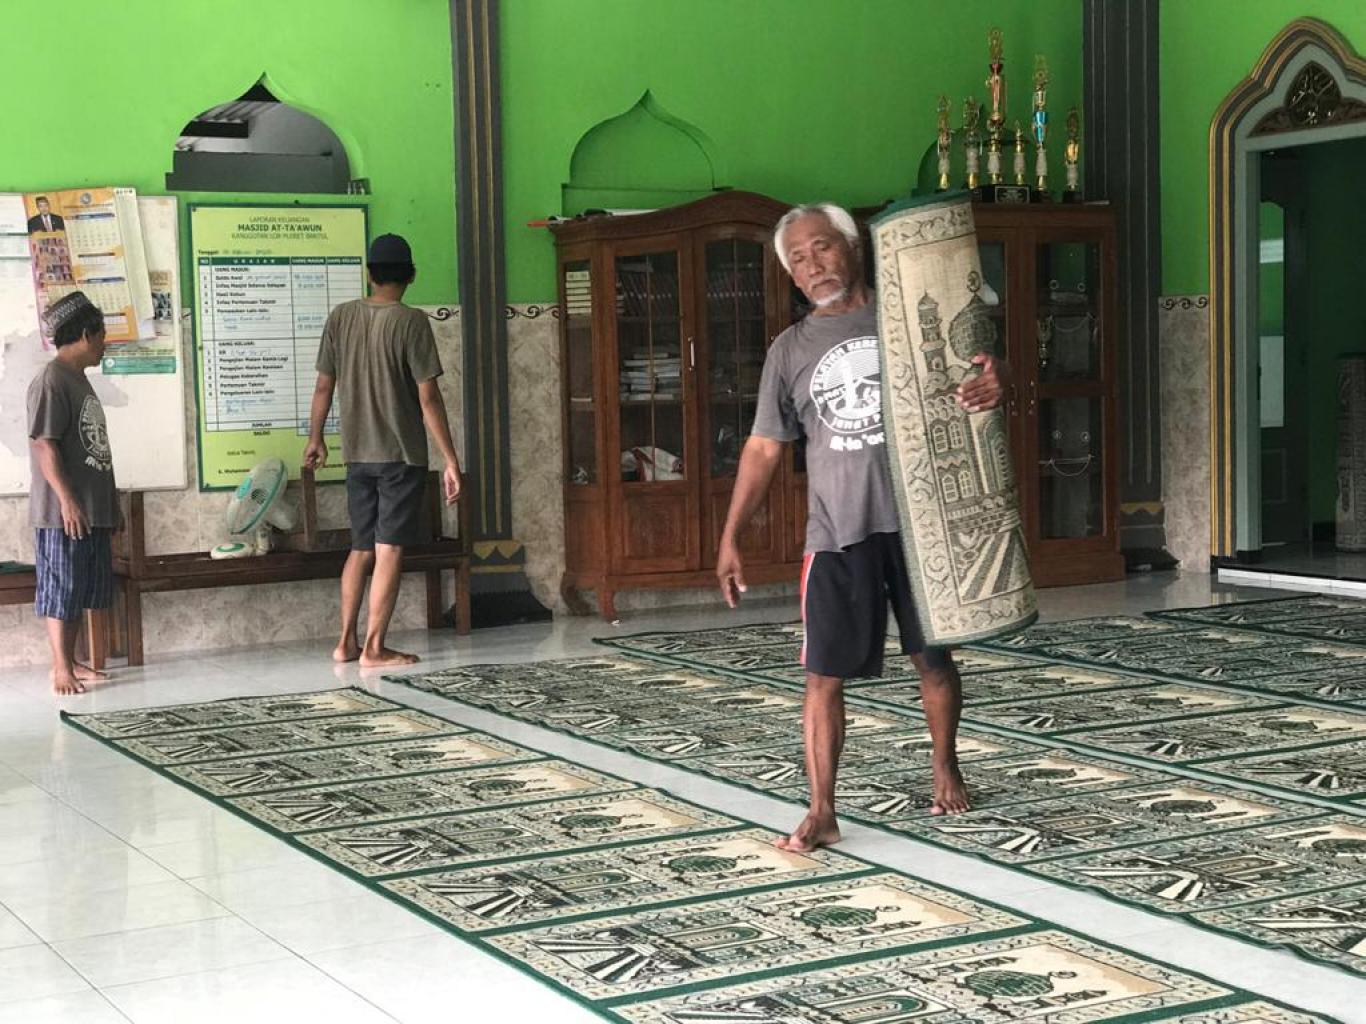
[[666, 318], [665, 321], [1053, 269]]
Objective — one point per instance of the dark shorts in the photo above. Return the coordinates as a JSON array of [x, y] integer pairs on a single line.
[[73, 575], [845, 595], [384, 500]]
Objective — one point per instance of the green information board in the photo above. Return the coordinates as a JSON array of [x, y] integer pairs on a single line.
[[265, 278]]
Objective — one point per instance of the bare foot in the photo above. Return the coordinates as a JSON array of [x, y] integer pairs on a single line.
[[813, 832], [345, 652], [65, 683], [88, 674], [386, 658], [950, 792]]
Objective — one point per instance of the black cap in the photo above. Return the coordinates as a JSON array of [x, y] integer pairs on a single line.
[[65, 308], [390, 249]]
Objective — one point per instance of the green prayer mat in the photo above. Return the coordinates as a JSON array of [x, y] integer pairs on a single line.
[[1175, 763], [638, 905]]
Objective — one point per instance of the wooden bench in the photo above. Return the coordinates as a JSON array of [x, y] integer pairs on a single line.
[[310, 554], [22, 588]]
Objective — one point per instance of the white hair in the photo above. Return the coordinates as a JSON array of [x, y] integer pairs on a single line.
[[839, 218]]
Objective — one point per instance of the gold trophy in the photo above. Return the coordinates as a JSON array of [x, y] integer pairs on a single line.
[[972, 142], [1071, 157], [1040, 125], [1021, 168], [996, 85], [945, 137]]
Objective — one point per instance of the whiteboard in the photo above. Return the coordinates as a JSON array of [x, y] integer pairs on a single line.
[[145, 412]]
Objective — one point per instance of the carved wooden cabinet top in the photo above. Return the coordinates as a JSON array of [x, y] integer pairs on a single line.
[[728, 207]]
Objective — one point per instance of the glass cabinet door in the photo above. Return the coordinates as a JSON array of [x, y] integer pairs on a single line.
[[1071, 391], [578, 373], [650, 367], [1071, 455], [736, 341], [994, 291], [1068, 341]]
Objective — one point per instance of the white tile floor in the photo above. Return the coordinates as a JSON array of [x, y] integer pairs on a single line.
[[124, 897]]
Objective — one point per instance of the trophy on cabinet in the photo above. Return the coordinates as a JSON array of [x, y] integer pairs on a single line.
[[1040, 126], [1071, 192], [996, 86], [996, 189], [972, 144], [945, 139]]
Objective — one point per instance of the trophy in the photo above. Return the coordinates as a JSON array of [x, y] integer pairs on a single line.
[[945, 138], [996, 190], [1021, 168], [1071, 155], [1040, 125], [972, 141], [996, 84]]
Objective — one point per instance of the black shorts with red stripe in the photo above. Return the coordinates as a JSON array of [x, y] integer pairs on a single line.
[[845, 596]]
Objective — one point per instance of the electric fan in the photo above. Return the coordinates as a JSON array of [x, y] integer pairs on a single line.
[[254, 508]]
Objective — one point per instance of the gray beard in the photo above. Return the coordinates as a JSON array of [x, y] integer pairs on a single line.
[[832, 298]]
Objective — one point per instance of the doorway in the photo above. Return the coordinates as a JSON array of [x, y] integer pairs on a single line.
[[1310, 315], [1303, 100], [1286, 521]]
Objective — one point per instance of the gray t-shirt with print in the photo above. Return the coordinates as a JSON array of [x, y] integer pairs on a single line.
[[63, 407], [823, 378]]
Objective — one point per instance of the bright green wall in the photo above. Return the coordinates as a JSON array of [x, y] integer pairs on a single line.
[[124, 78], [801, 99], [1208, 47]]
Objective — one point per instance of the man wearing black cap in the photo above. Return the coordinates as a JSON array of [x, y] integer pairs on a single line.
[[382, 357], [72, 504]]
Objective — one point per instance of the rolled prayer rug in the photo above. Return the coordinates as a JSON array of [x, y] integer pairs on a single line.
[[955, 487]]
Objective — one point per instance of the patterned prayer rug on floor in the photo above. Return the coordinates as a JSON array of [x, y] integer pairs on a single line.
[[1330, 925], [1230, 656], [1044, 976], [641, 906], [1097, 763], [1265, 613], [772, 653]]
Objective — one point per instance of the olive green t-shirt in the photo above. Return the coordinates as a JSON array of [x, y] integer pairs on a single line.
[[379, 352]]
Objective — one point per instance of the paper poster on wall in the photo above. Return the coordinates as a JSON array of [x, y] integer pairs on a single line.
[[141, 385], [22, 352], [91, 239], [266, 279]]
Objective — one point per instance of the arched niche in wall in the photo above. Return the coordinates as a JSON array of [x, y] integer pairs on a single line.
[[257, 143], [641, 159]]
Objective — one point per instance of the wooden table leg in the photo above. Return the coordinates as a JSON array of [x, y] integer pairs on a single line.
[[117, 631], [462, 597], [433, 598], [133, 601], [97, 637]]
